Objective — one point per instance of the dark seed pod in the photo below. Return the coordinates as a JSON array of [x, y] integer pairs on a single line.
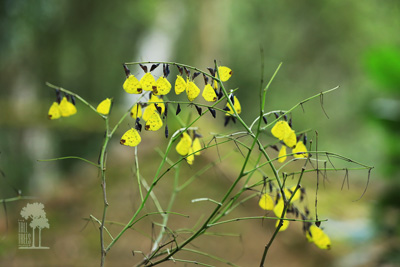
[[144, 68], [227, 119], [212, 72], [166, 131], [305, 139], [318, 223], [306, 211], [195, 75], [127, 71], [274, 147], [165, 70], [187, 71], [73, 100], [205, 79], [270, 186], [232, 98], [276, 115], [58, 96], [178, 109], [299, 137], [285, 117], [213, 113], [265, 120], [233, 119], [67, 96], [290, 122], [154, 66], [180, 69], [166, 110], [138, 126], [198, 109], [220, 94], [159, 109]]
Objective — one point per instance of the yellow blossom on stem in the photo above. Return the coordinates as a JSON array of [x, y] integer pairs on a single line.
[[163, 86], [282, 154], [136, 111], [224, 73], [67, 108], [300, 150], [54, 111], [266, 202], [236, 105], [104, 106], [130, 138], [132, 85], [283, 132], [148, 83], [180, 85], [209, 93], [320, 239], [192, 91], [184, 144]]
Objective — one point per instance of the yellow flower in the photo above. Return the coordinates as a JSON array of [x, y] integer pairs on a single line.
[[154, 122], [196, 146], [54, 111], [163, 86], [104, 106], [209, 93], [190, 157], [224, 73], [300, 150], [67, 108], [180, 85], [282, 154], [278, 209], [130, 138], [192, 90], [148, 83], [283, 132], [320, 239], [266, 202], [236, 105], [136, 111], [184, 144], [132, 85]]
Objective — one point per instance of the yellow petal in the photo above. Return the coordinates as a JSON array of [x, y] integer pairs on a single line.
[[136, 111], [148, 111], [278, 209], [163, 86], [184, 144], [196, 146], [130, 138], [224, 73], [190, 158], [132, 85], [54, 111], [104, 106], [154, 122], [236, 105], [319, 238], [291, 139], [158, 101], [209, 94], [285, 225], [67, 108], [283, 132], [282, 154], [180, 85], [148, 83], [192, 91], [289, 194], [300, 148], [266, 202]]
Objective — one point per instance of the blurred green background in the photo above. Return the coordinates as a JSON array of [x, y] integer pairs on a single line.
[[80, 46]]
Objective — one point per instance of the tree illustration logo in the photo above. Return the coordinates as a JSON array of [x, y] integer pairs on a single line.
[[37, 216]]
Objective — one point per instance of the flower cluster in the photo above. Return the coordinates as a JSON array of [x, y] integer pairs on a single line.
[[283, 131], [313, 233], [62, 107], [188, 146], [155, 110]]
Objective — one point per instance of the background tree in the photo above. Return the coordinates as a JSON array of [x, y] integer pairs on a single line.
[[40, 223], [33, 211]]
